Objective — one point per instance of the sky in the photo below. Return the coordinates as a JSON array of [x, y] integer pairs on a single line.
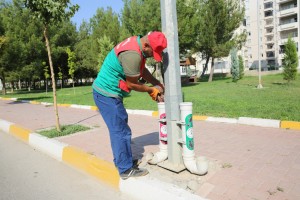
[[88, 8]]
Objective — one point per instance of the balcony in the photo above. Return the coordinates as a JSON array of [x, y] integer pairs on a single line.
[[288, 12], [283, 41], [270, 55], [269, 24], [269, 33], [270, 48], [284, 1], [288, 26], [286, 34], [268, 6], [270, 58], [268, 14], [269, 41]]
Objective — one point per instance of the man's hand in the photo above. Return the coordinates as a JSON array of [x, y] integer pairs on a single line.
[[161, 88], [160, 98], [155, 93]]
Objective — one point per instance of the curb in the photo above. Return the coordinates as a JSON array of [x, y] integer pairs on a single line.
[[105, 171], [293, 125], [102, 170]]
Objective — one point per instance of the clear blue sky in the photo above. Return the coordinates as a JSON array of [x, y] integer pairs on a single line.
[[88, 8]]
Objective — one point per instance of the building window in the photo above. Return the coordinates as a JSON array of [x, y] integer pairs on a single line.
[[268, 5], [269, 13]]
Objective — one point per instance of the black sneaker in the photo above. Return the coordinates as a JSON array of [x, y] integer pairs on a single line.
[[136, 163], [134, 172]]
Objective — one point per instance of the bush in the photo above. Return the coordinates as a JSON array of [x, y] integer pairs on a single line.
[[290, 62]]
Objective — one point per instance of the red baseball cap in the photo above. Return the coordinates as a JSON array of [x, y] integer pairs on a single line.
[[158, 42]]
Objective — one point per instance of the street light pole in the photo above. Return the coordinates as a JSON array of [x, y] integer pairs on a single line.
[[259, 86], [173, 94]]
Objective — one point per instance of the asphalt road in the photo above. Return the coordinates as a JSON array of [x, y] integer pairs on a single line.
[[27, 174]]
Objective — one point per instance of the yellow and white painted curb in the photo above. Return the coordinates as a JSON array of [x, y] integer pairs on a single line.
[[63, 152], [241, 120], [102, 170], [105, 171], [290, 125]]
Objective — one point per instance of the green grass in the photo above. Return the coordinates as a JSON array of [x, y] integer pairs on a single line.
[[65, 130], [277, 100], [220, 98]]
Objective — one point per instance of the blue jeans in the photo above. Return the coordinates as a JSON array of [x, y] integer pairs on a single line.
[[116, 119]]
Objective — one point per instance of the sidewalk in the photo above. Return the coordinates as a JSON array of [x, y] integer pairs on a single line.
[[246, 162]]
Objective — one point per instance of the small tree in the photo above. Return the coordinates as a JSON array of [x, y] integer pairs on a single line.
[[71, 64], [218, 20], [51, 12], [241, 66], [3, 44], [105, 46], [234, 65], [290, 62]]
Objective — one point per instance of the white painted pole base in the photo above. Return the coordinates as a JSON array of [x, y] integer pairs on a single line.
[[163, 145], [197, 166]]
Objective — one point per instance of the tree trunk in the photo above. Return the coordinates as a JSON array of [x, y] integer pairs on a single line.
[[53, 79], [3, 83], [40, 84], [212, 70], [12, 87], [29, 85], [159, 72], [46, 85], [33, 86], [205, 68], [19, 83], [73, 85]]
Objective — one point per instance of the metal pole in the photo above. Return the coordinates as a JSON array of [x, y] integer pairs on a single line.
[[173, 94], [259, 55], [298, 38]]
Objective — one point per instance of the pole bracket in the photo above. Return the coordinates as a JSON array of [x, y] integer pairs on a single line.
[[162, 120], [165, 139], [181, 123]]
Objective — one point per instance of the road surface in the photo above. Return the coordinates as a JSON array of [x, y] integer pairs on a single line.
[[27, 174]]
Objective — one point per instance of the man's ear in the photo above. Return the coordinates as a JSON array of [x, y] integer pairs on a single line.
[[146, 44]]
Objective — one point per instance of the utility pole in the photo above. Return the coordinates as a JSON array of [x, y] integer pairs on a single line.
[[173, 94], [259, 86]]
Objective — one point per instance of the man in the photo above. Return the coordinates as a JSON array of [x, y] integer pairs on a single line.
[[119, 74]]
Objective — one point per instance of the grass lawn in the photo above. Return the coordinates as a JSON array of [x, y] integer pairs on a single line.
[[65, 130], [220, 98]]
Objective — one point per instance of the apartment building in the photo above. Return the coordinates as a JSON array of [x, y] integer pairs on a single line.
[[268, 24]]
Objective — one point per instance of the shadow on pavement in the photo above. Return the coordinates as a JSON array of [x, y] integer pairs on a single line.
[[138, 143]]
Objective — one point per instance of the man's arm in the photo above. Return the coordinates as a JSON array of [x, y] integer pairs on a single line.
[[154, 92], [149, 78], [133, 84]]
